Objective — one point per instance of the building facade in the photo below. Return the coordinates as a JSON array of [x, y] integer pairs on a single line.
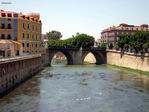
[[26, 29], [10, 48], [111, 34], [44, 39]]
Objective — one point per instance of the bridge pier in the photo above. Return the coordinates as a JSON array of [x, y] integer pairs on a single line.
[[77, 57]]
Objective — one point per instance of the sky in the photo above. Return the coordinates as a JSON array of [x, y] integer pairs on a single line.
[[83, 16]]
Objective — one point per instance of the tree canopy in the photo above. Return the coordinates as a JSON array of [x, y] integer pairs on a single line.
[[54, 35], [139, 41], [77, 41]]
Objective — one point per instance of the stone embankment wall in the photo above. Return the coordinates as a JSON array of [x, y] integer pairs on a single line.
[[45, 59], [14, 71], [129, 60]]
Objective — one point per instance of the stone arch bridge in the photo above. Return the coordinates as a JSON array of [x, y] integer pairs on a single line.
[[76, 56]]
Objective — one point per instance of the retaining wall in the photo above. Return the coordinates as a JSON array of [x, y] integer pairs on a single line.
[[130, 60], [14, 71]]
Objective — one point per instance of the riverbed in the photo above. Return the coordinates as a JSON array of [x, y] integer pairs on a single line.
[[87, 88]]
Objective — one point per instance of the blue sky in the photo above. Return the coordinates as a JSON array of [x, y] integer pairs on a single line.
[[84, 16]]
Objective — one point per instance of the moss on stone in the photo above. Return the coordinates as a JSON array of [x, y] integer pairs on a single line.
[[129, 69]]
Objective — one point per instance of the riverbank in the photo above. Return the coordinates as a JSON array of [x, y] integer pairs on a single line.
[[128, 60]]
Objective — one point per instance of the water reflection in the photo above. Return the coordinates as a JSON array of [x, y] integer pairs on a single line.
[[87, 88]]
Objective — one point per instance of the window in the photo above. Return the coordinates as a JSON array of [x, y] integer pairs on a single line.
[[33, 27], [23, 35], [3, 15], [23, 44], [23, 17], [9, 36], [9, 19], [23, 26], [28, 36], [15, 15], [28, 18], [27, 44], [3, 25], [9, 15], [9, 26], [3, 36], [27, 26]]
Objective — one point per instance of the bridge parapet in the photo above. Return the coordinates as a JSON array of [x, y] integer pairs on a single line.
[[76, 49]]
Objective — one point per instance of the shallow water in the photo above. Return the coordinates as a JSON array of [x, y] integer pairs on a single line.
[[87, 88]]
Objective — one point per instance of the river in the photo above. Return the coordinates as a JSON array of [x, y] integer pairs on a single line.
[[87, 88]]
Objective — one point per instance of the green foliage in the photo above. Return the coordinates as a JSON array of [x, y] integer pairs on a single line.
[[77, 41], [123, 41], [139, 41], [103, 45], [54, 35], [83, 40], [146, 45]]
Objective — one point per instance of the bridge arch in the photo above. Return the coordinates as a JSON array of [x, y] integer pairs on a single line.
[[99, 56], [66, 54], [89, 58]]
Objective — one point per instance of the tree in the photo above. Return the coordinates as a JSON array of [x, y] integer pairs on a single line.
[[138, 42], [83, 40], [77, 41], [123, 39], [146, 46], [54, 35], [103, 46]]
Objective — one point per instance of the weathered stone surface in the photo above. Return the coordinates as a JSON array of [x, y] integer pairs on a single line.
[[129, 60], [76, 56], [14, 71]]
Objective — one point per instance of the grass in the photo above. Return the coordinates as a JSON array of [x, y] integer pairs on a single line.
[[129, 69]]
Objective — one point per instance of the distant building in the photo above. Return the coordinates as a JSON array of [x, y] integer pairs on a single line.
[[44, 39], [10, 48], [25, 29], [111, 34], [97, 43]]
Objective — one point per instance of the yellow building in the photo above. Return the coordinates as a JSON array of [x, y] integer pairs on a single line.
[[25, 29]]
